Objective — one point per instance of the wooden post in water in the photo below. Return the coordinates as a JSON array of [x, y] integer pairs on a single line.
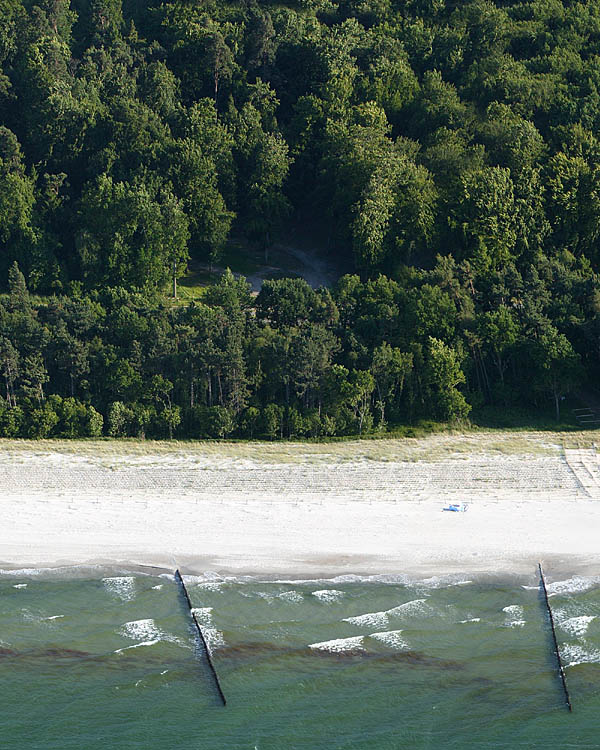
[[179, 579], [561, 670]]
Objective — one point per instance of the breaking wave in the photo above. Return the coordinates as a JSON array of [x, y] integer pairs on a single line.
[[340, 645], [213, 637], [574, 654], [577, 626], [391, 638], [122, 587], [328, 595], [515, 616], [574, 585]]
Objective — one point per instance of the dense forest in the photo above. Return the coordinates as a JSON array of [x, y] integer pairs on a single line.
[[445, 152]]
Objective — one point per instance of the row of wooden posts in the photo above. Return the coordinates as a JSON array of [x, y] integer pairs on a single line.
[[215, 676]]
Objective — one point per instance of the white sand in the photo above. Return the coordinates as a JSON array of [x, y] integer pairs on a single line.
[[303, 510]]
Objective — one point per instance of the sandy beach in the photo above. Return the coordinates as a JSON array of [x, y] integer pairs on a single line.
[[367, 507]]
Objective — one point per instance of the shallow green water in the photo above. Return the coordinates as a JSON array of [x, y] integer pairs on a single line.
[[96, 660]]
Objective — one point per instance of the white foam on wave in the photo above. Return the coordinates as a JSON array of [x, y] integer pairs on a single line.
[[369, 620], [20, 586], [158, 587], [203, 615], [36, 617], [346, 578], [391, 638], [573, 585], [472, 619], [574, 654], [147, 633], [391, 578], [208, 580], [142, 629], [340, 645], [577, 626], [514, 616], [23, 571], [137, 645], [328, 595], [570, 609], [215, 586], [415, 606], [262, 595], [213, 637], [285, 596], [514, 610], [382, 619], [291, 596], [446, 581], [59, 572], [122, 587]]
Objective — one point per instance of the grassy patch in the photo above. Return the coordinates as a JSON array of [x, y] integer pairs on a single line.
[[193, 286], [236, 256], [241, 259], [514, 418], [434, 447]]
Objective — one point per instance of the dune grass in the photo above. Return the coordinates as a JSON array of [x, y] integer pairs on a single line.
[[451, 444]]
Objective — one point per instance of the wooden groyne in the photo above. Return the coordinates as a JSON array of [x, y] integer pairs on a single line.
[[561, 669], [211, 666]]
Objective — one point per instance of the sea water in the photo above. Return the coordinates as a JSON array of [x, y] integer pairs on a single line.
[[93, 658]]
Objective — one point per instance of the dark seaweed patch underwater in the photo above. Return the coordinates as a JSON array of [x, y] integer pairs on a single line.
[[110, 660]]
